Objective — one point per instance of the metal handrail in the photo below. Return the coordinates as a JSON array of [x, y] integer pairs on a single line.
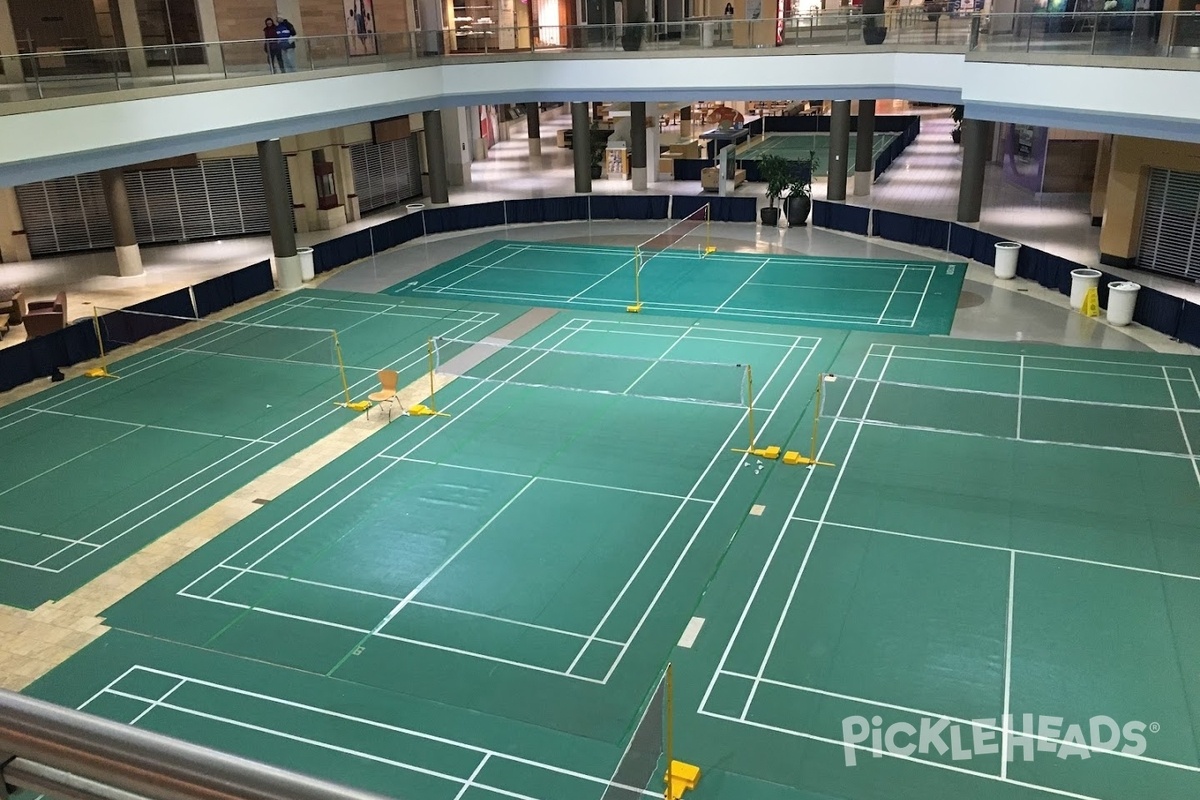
[[69, 754]]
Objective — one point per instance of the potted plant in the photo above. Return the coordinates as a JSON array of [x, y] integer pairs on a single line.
[[799, 199], [776, 172], [956, 114], [599, 137], [874, 29], [633, 31]]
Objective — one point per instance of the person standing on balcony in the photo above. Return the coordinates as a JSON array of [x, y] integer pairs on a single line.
[[285, 32], [271, 46]]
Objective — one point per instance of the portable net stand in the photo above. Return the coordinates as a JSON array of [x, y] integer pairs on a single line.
[[420, 409], [771, 451], [793, 456], [666, 240], [102, 370], [650, 745], [208, 337]]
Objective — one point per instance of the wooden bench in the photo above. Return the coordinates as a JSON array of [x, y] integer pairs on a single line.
[[710, 179]]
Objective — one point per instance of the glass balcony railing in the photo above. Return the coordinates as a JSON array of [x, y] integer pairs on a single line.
[[50, 73]]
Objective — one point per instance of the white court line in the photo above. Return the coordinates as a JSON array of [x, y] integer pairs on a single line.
[[420, 603], [656, 361], [484, 268], [428, 579], [601, 280], [474, 774], [790, 260], [1020, 394], [898, 756], [566, 481], [61, 464], [157, 702], [475, 261], [419, 352], [1008, 640], [1182, 427], [787, 604], [892, 296], [106, 687], [1032, 368], [1026, 440], [832, 288], [26, 531], [774, 549], [622, 324], [742, 285], [150, 427], [980, 724], [921, 303], [416, 734], [1002, 549], [662, 586], [1084, 361]]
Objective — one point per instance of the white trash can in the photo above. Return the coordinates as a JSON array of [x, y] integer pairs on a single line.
[[1006, 260], [413, 208], [1122, 297], [307, 270], [707, 29], [1081, 280]]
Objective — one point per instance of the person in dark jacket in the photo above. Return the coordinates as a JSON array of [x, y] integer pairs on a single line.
[[285, 32], [271, 46]]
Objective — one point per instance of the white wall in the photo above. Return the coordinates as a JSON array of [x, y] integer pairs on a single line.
[[150, 124]]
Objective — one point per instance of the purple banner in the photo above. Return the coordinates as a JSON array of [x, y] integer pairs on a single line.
[[1025, 156]]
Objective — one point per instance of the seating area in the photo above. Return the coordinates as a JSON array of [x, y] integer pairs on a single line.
[[710, 179], [46, 316]]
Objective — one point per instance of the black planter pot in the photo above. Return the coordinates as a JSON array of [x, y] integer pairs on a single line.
[[797, 210], [874, 35], [956, 135], [596, 172], [769, 216], [631, 39]]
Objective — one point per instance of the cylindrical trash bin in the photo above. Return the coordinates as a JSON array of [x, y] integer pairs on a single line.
[[307, 270], [1081, 280], [1006, 260], [1122, 297], [706, 33], [413, 208]]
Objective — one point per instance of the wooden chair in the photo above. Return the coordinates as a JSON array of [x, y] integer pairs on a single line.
[[388, 379]]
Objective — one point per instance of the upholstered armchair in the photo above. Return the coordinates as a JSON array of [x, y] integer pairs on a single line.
[[47, 316]]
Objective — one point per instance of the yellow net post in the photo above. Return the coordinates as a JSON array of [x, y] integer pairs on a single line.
[[420, 409], [772, 451], [361, 405], [709, 247], [637, 282], [669, 732], [793, 457], [102, 370]]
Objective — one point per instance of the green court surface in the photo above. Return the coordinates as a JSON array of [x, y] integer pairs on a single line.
[[188, 422], [892, 296], [477, 605], [797, 146]]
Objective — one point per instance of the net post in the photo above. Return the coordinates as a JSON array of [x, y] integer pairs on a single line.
[[102, 370], [708, 245], [812, 449], [637, 282], [362, 405], [420, 409], [750, 402], [432, 393]]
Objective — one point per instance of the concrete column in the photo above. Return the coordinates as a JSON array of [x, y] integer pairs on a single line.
[[685, 122], [435, 155], [129, 257], [533, 125], [637, 145], [10, 67], [970, 189], [457, 141], [581, 147], [279, 211], [864, 146], [301, 179], [431, 26], [1100, 180], [132, 31], [14, 244], [839, 150], [343, 170]]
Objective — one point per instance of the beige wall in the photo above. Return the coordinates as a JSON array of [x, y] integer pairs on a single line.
[[1132, 158], [242, 19], [1100, 178], [13, 244]]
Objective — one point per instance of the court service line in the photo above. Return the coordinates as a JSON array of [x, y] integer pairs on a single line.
[[771, 555], [1002, 549], [1153, 376], [61, 464], [419, 352], [898, 756], [471, 778], [420, 427], [742, 285], [151, 427], [28, 532], [662, 586], [484, 268], [921, 303], [626, 323], [656, 361], [972, 723], [1187, 442], [1008, 640], [370, 723], [1020, 394], [157, 702], [1070, 359], [892, 296], [548, 479], [475, 262], [602, 279], [420, 603], [787, 604]]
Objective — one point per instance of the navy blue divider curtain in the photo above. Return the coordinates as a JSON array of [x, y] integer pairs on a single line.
[[252, 281], [213, 295], [396, 232], [163, 313], [820, 213], [462, 218], [756, 126], [549, 209], [1189, 325], [619, 206], [908, 229], [39, 357], [176, 304], [839, 217], [720, 209], [1160, 311]]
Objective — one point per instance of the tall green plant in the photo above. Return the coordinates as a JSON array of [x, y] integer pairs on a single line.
[[777, 173], [801, 183]]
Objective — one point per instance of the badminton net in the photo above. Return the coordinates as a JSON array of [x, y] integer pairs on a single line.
[[693, 232], [641, 763]]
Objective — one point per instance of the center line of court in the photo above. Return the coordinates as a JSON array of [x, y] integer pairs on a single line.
[[743, 286], [892, 296]]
